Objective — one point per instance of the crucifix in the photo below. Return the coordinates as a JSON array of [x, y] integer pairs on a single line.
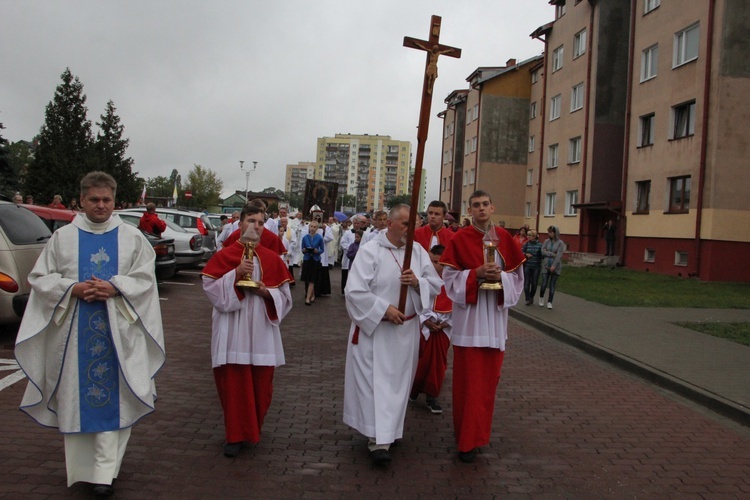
[[434, 49]]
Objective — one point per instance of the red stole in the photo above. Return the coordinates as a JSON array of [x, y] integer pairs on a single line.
[[466, 251], [424, 234], [267, 239]]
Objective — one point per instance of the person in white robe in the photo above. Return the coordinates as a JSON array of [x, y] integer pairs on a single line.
[[332, 247], [383, 344], [380, 221], [347, 238], [91, 339], [228, 229]]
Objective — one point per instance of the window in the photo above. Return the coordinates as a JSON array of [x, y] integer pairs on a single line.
[[466, 177], [554, 107], [468, 116], [445, 183], [680, 258], [649, 5], [467, 147], [679, 194], [643, 196], [649, 255], [683, 120], [557, 58], [471, 176], [534, 77], [528, 210], [476, 112], [473, 144], [552, 158], [649, 62], [530, 177], [686, 45], [579, 44], [646, 130], [549, 205], [532, 144], [571, 198], [559, 10], [576, 97], [532, 110], [574, 150]]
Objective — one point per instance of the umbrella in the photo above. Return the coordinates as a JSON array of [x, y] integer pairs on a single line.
[[340, 216]]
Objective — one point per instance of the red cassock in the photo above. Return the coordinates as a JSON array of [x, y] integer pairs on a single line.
[[476, 370], [424, 234], [433, 354], [245, 391], [267, 239]]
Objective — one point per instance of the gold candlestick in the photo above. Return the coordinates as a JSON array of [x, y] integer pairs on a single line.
[[247, 280], [490, 248]]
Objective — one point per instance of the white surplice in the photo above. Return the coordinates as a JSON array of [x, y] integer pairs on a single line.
[[242, 333], [381, 366]]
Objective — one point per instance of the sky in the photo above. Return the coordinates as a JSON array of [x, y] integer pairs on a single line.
[[213, 83]]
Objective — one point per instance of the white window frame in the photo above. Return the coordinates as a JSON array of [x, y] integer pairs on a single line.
[[579, 43], [574, 150], [534, 76], [553, 155], [467, 146], [468, 116], [528, 210], [557, 58], [530, 177], [571, 198], [576, 97], [642, 190], [649, 5], [649, 62], [475, 115], [555, 104], [559, 11], [532, 110], [686, 48], [646, 125], [550, 200], [532, 143], [474, 144], [683, 120]]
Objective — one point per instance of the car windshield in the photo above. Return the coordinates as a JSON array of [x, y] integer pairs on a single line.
[[21, 226]]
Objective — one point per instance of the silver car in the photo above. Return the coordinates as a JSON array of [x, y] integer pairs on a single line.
[[194, 222], [188, 246]]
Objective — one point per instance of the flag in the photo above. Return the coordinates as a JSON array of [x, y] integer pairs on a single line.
[[143, 194], [174, 195]]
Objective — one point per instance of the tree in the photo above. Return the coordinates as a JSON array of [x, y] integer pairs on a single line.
[[398, 199], [63, 154], [8, 178], [159, 187], [205, 186], [21, 154], [277, 192], [109, 155], [295, 200]]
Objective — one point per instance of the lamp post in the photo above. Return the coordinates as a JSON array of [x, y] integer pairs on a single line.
[[247, 175]]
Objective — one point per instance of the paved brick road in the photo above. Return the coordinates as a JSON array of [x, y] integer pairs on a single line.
[[566, 426]]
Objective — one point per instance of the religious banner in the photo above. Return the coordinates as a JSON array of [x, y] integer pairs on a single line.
[[320, 193]]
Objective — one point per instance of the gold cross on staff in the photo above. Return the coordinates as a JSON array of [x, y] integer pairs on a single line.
[[434, 49]]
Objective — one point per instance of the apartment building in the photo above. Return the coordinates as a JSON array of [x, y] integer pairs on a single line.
[[369, 167], [297, 175], [485, 139]]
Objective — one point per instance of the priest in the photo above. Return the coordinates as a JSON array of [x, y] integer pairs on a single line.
[[91, 340], [383, 344], [245, 338], [480, 320]]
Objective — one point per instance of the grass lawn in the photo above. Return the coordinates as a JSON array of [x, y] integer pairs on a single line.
[[620, 287]]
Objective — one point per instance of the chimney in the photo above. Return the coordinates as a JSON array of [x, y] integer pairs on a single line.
[[510, 62]]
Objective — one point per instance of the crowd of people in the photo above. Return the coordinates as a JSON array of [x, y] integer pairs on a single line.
[[404, 318]]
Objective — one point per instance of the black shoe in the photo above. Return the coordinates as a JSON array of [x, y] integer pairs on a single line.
[[103, 490], [468, 456], [232, 449], [434, 406], [413, 397], [380, 457]]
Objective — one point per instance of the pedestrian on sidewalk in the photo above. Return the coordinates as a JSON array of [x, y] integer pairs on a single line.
[[532, 250], [553, 249], [91, 341], [433, 343], [245, 337], [383, 346], [480, 321]]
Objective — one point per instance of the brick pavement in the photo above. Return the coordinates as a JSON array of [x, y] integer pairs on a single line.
[[566, 425]]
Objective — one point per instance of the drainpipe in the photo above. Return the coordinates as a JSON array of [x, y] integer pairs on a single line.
[[543, 118], [587, 119], [704, 134], [621, 232]]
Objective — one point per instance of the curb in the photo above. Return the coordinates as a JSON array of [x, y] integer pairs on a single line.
[[712, 401]]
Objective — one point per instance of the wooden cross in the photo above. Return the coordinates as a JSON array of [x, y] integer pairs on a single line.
[[434, 49]]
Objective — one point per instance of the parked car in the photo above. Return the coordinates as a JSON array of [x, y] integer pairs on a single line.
[[22, 238], [165, 265], [194, 222], [188, 247]]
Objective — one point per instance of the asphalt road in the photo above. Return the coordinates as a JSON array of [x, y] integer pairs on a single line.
[[565, 426]]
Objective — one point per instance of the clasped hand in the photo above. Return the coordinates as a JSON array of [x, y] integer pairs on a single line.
[[489, 271], [94, 289]]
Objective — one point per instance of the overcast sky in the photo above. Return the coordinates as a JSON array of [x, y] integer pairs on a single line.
[[212, 83]]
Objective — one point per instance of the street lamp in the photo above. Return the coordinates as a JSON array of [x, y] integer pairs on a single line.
[[247, 175]]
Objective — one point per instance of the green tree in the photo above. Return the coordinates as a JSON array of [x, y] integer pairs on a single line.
[[21, 154], [110, 155], [159, 187], [295, 200], [63, 154], [277, 192], [205, 186], [394, 200], [8, 178]]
